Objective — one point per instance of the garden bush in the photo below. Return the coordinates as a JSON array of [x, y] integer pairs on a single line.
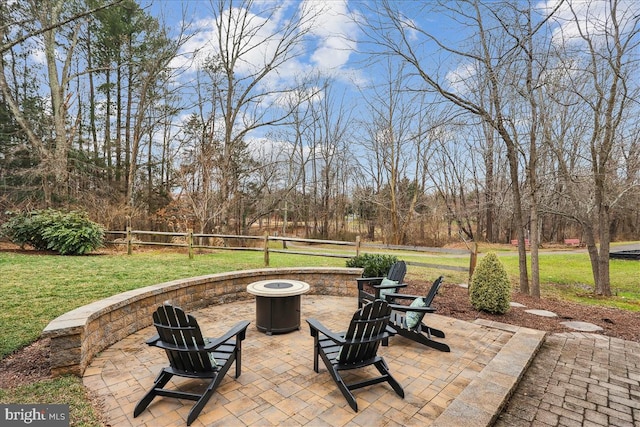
[[69, 233], [374, 265], [490, 289], [23, 229]]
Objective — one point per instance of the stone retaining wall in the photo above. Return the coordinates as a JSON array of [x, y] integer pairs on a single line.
[[78, 335]]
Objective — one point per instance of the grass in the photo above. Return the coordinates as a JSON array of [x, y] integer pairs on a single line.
[[37, 288], [568, 276], [64, 390]]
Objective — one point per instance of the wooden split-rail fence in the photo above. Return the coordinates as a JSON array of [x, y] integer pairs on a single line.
[[193, 241]]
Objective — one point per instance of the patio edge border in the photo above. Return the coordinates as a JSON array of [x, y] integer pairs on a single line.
[[482, 401]]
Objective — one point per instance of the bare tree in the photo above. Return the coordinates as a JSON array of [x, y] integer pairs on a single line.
[[248, 55], [147, 76], [397, 138], [594, 88], [488, 62], [300, 136], [329, 136], [452, 169]]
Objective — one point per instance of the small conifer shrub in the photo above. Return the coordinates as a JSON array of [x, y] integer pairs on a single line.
[[490, 289]]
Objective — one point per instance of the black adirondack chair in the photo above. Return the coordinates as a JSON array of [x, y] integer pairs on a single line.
[[407, 320], [191, 356], [380, 287], [356, 348]]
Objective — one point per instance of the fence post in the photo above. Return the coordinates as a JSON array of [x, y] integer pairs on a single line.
[[473, 259], [129, 245], [190, 242], [357, 245], [266, 249]]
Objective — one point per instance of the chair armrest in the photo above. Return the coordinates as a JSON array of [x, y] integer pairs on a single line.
[[403, 296], [406, 308], [315, 326], [399, 285], [369, 280], [239, 330]]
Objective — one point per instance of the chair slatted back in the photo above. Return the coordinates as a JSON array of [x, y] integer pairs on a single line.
[[433, 291], [182, 332], [366, 330], [435, 287], [397, 271]]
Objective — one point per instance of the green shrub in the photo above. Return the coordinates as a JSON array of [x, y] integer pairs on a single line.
[[490, 289], [69, 233], [23, 229], [374, 265]]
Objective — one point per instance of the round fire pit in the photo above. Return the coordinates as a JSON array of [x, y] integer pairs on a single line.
[[278, 304]]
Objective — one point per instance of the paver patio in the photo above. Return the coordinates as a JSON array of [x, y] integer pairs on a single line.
[[279, 387]]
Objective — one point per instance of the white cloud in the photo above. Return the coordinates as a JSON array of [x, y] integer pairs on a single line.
[[331, 40], [461, 78], [335, 30], [267, 150], [586, 16], [38, 57]]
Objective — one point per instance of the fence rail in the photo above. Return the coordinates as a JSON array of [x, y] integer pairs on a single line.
[[131, 239]]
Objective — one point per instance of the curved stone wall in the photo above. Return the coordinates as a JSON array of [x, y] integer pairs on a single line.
[[78, 335]]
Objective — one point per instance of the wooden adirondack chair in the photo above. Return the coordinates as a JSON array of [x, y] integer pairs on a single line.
[[407, 320], [357, 348], [382, 285], [191, 356]]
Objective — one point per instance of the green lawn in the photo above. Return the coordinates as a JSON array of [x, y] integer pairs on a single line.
[[568, 276], [64, 390], [563, 275], [37, 288]]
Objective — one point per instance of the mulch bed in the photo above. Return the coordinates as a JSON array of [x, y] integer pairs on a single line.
[[453, 301]]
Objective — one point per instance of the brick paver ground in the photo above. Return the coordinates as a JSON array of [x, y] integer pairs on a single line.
[[278, 385], [578, 379]]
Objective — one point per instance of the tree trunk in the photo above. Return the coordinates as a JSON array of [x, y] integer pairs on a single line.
[[489, 190], [534, 240], [107, 129], [92, 101], [512, 156], [130, 157], [118, 139], [603, 285], [58, 161]]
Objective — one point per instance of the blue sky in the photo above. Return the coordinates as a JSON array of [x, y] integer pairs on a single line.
[[331, 45], [327, 47]]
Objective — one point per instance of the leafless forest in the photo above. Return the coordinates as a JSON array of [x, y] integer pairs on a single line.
[[484, 121]]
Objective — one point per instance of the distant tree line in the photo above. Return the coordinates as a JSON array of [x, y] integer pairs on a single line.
[[501, 121]]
